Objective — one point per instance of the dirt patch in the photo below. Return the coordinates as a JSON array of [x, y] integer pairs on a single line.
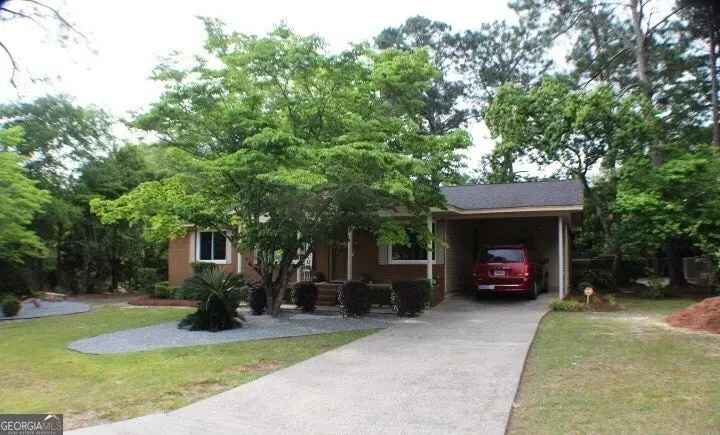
[[703, 316], [260, 366], [152, 302]]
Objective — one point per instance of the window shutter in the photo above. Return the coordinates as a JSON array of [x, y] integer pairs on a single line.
[[440, 243], [382, 254], [191, 244]]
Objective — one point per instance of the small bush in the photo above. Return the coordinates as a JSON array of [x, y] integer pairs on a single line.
[[566, 305], [289, 297], [219, 296], [162, 290], [411, 297], [145, 279], [305, 295], [11, 306], [381, 295], [612, 301], [319, 277], [355, 298], [258, 300], [202, 267]]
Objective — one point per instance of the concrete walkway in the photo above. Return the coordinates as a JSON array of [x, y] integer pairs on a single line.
[[454, 370]]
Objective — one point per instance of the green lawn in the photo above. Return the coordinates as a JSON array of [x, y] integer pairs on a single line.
[[38, 374], [623, 372]]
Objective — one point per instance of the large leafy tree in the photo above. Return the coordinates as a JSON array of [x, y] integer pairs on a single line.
[[573, 132], [20, 201], [633, 47], [576, 134], [703, 22], [443, 110], [671, 204], [499, 53], [101, 256], [284, 147], [60, 137]]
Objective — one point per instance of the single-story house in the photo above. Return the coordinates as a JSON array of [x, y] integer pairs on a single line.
[[540, 215]]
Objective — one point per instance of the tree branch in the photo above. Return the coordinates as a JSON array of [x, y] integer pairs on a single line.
[[58, 16], [12, 62]]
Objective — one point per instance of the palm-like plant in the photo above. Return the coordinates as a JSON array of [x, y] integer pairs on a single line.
[[219, 295]]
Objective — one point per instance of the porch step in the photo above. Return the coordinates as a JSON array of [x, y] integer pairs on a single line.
[[327, 294]]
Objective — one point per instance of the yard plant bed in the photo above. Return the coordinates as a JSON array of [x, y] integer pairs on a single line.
[[39, 374], [624, 372]]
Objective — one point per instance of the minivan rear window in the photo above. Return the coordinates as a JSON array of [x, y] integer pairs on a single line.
[[504, 255]]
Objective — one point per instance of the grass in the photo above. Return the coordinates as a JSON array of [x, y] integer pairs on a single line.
[[38, 374], [623, 372]]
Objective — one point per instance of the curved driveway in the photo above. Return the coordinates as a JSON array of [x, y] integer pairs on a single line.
[[453, 370]]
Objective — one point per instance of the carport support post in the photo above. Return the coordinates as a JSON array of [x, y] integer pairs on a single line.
[[561, 258], [350, 255]]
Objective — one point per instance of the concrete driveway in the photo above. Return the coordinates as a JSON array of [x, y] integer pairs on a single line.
[[453, 370]]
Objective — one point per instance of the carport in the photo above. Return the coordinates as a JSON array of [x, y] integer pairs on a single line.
[[540, 215]]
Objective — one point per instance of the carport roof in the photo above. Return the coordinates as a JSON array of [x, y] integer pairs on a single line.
[[515, 195]]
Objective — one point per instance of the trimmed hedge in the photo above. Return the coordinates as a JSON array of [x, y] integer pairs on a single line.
[[162, 290], [380, 295], [411, 297], [145, 279], [305, 295], [258, 300], [11, 306], [566, 305], [355, 298]]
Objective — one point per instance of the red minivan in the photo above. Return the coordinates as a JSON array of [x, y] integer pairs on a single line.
[[507, 269]]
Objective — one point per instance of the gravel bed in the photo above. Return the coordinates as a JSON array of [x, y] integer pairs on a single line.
[[167, 335], [46, 308]]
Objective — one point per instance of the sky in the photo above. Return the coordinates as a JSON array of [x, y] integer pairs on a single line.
[[126, 39]]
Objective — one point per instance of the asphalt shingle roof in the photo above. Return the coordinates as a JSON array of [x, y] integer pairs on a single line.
[[531, 194]]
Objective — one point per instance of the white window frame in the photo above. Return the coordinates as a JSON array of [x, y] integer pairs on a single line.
[[228, 248], [401, 262]]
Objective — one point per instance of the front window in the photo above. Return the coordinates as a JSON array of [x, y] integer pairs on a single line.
[[415, 252], [212, 247]]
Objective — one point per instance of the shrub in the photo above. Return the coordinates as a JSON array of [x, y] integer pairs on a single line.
[[566, 305], [202, 267], [410, 297], [258, 300], [319, 277], [380, 295], [162, 290], [657, 287], [11, 306], [612, 301], [289, 297], [355, 298], [305, 295], [145, 279], [219, 296]]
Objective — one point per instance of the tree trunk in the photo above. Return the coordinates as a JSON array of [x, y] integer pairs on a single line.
[[641, 58], [674, 259], [714, 86], [636, 8]]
